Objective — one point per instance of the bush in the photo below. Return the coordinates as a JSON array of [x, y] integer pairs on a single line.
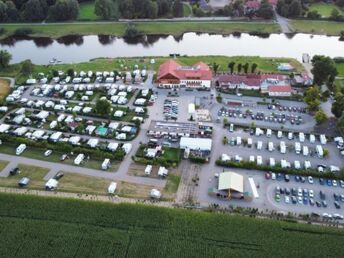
[[196, 159], [276, 169], [23, 32], [2, 31]]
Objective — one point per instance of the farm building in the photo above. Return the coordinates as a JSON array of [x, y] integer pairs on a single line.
[[196, 144]]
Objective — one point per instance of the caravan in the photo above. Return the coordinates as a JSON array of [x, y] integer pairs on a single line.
[[297, 147], [320, 151], [20, 149], [305, 151], [323, 139], [301, 137], [271, 146], [106, 164], [268, 133], [283, 147], [79, 159]]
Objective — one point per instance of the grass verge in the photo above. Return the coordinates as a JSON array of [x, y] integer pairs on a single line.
[[317, 27]]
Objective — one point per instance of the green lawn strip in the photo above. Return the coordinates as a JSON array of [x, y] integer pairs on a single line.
[[86, 12], [35, 173], [340, 69], [3, 164], [317, 27], [118, 29], [99, 229], [324, 9]]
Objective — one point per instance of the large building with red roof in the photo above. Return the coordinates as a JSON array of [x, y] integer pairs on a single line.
[[173, 75]]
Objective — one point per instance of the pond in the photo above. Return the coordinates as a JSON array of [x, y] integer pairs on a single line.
[[75, 49]]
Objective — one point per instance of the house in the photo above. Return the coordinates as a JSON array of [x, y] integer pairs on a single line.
[[235, 81], [173, 75], [279, 90], [51, 184], [55, 136], [90, 129], [252, 6], [197, 144], [127, 147], [42, 115], [20, 131]]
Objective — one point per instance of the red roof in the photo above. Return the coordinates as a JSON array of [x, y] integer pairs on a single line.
[[273, 2], [199, 71], [253, 4], [250, 80], [279, 88]]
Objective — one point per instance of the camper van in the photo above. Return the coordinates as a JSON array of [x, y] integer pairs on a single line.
[[301, 137], [238, 140], [231, 128], [271, 146], [259, 145], [290, 136], [20, 149], [283, 148], [268, 133], [320, 151], [249, 142], [259, 160], [297, 147], [272, 162], [307, 164], [312, 138], [323, 139], [279, 134]]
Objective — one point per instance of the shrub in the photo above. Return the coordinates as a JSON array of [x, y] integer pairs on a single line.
[[23, 32]]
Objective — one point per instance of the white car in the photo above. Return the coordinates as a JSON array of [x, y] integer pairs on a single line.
[[334, 183], [48, 153], [273, 176], [299, 199], [299, 193], [310, 180], [287, 199], [311, 193]]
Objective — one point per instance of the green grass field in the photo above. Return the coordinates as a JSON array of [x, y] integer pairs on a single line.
[[124, 64], [166, 28], [317, 27], [340, 69], [75, 228], [86, 12], [324, 9]]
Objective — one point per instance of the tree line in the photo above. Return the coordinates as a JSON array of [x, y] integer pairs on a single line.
[[38, 10]]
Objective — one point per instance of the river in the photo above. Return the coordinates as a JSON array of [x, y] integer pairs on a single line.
[[74, 49]]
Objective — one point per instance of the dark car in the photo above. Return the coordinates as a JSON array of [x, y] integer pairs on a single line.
[[324, 204], [279, 176], [329, 182], [318, 204], [287, 191], [337, 205], [293, 199], [297, 178], [303, 179], [305, 200], [336, 197], [286, 178], [294, 192], [322, 195], [267, 175], [14, 171], [58, 176], [321, 181]]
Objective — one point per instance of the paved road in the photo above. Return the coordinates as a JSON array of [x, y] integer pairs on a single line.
[[283, 23]]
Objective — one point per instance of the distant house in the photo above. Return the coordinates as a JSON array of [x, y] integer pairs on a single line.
[[173, 75], [279, 90], [252, 6]]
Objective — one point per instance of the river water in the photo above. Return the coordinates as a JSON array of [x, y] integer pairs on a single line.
[[74, 49]]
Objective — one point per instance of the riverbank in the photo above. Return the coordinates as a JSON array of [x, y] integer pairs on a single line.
[[265, 65], [175, 28], [330, 28]]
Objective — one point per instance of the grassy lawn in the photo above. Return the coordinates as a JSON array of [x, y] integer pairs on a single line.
[[86, 12], [171, 187], [339, 85], [3, 164], [340, 69], [4, 88], [318, 27], [37, 153], [324, 9], [172, 154], [77, 228], [36, 175], [167, 28]]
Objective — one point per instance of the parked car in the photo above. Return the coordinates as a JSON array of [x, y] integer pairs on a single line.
[[58, 176], [48, 153], [14, 171]]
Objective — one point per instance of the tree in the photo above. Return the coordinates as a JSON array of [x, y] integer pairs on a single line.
[[245, 67], [216, 67], [3, 12], [265, 10], [224, 140], [335, 15], [312, 96], [253, 67], [12, 12], [5, 58], [35, 10], [64, 10], [27, 67], [323, 68], [338, 105], [239, 67], [70, 72], [163, 7], [320, 117], [295, 9], [131, 31], [313, 14], [177, 8], [106, 9], [231, 66], [103, 107]]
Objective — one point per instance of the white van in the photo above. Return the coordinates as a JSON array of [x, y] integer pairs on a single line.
[[320, 151], [301, 137], [259, 145], [312, 138], [283, 148], [305, 151], [290, 136], [279, 134], [238, 140]]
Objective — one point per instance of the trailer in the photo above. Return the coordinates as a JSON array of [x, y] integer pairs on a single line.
[[271, 146], [301, 137], [259, 160], [312, 138], [297, 147], [279, 134], [259, 145], [80, 158], [20, 149], [106, 164], [323, 139], [305, 151], [268, 133], [283, 147]]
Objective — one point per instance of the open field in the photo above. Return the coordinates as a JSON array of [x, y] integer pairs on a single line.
[[4, 88], [36, 175], [118, 28], [324, 9], [95, 229], [267, 65], [86, 12], [340, 69], [317, 27]]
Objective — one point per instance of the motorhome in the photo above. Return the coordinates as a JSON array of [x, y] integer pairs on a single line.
[[301, 137], [323, 139], [259, 145], [106, 164], [268, 133], [320, 151], [271, 146], [305, 151], [279, 134], [283, 147], [20, 149], [79, 159], [259, 160], [297, 147]]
